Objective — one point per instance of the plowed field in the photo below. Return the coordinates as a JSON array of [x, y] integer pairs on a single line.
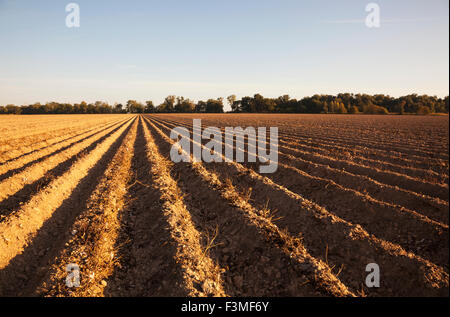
[[101, 192]]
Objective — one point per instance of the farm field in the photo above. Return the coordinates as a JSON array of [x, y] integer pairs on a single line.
[[101, 192]]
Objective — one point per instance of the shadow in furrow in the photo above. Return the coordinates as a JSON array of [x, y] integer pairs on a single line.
[[253, 265], [23, 167], [420, 237], [13, 202], [147, 252], [26, 271], [52, 144], [332, 242]]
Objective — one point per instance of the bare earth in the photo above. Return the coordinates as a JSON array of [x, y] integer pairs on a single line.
[[100, 191]]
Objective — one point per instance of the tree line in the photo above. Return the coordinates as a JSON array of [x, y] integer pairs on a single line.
[[170, 104], [341, 103]]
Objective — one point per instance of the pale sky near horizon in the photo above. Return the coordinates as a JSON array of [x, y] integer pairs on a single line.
[[200, 49]]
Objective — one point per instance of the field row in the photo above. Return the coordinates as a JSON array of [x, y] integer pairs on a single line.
[[109, 199]]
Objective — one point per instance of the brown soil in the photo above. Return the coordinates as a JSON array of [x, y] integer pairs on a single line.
[[102, 192]]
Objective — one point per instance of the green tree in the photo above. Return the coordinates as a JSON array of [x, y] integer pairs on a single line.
[[118, 108], [214, 105], [167, 105], [423, 110], [353, 109], [149, 107], [13, 109], [374, 109], [184, 105], [401, 107], [231, 101], [200, 107], [134, 107], [341, 108]]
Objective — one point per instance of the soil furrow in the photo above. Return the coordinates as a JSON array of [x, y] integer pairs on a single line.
[[406, 182], [16, 166], [437, 166], [390, 156], [416, 233], [94, 234], [15, 201], [147, 251], [356, 157], [13, 184], [399, 148], [19, 230], [18, 145], [339, 242], [251, 247], [434, 208], [202, 276], [40, 146], [402, 181]]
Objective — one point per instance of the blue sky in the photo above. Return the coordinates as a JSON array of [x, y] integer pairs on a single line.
[[201, 49]]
